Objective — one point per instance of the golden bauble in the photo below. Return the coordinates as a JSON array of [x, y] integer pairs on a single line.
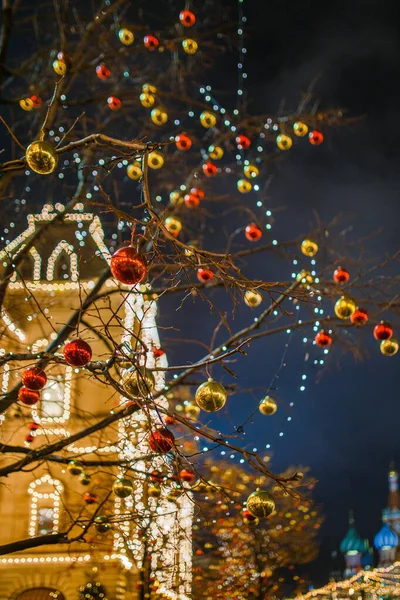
[[211, 396], [123, 487], [102, 524], [173, 225], [74, 467], [305, 277], [60, 67], [190, 46], [344, 307], [208, 119], [147, 100], [244, 186], [84, 479], [134, 171], [260, 504], [156, 160], [41, 157], [284, 142], [300, 129], [176, 197], [154, 490], [309, 247], [126, 36], [158, 116], [148, 88], [251, 171], [252, 298], [389, 347], [26, 104], [215, 152], [192, 411], [138, 382], [267, 406]]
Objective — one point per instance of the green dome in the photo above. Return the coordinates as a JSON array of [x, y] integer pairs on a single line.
[[352, 543]]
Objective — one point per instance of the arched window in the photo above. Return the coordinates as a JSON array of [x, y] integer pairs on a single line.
[[62, 257], [40, 594], [45, 505], [54, 405]]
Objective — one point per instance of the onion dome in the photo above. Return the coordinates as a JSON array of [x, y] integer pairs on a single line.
[[351, 543], [368, 556], [386, 538]]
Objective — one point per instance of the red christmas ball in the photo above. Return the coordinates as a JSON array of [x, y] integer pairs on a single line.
[[191, 200], [157, 352], [197, 192], [89, 498], [183, 142], [29, 438], [169, 420], [33, 426], [114, 103], [77, 353], [156, 476], [243, 142], [161, 440], [209, 169], [127, 266], [341, 275], [102, 71], [323, 339], [186, 475], [34, 379], [28, 397], [383, 331], [151, 42], [204, 275], [248, 516], [359, 316], [187, 18], [36, 101], [316, 138], [253, 233]]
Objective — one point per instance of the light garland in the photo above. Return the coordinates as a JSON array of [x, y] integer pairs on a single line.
[[69, 250], [38, 497], [66, 400]]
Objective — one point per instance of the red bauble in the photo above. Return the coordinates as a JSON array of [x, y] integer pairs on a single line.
[[209, 169], [383, 331], [187, 18], [36, 101], [156, 476], [191, 201], [253, 233], [316, 138], [114, 103], [34, 379], [183, 142], [197, 192], [127, 266], [29, 438], [28, 397], [151, 42], [169, 420], [161, 440], [323, 339], [359, 316], [33, 426], [89, 498], [157, 352], [204, 275], [341, 275], [77, 353], [248, 516], [186, 475], [243, 142], [102, 71]]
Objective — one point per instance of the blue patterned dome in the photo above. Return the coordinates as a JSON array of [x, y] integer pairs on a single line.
[[386, 538], [352, 543]]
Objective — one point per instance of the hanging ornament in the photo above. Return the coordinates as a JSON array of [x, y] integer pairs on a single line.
[[156, 160], [191, 201], [215, 152], [309, 247], [60, 66], [359, 316], [316, 138], [89, 498], [29, 438], [383, 331], [209, 169], [114, 103], [187, 18], [176, 197], [169, 420], [183, 142], [156, 476], [28, 397], [300, 129], [84, 479], [190, 46], [242, 142], [253, 233], [341, 275], [389, 347], [41, 157], [154, 490], [173, 226], [268, 406], [102, 524], [260, 504], [161, 440], [204, 275], [102, 71], [36, 101], [251, 171], [151, 42], [138, 382], [248, 517], [128, 266], [147, 100], [77, 353], [149, 88], [158, 352], [34, 378], [305, 277], [345, 307], [208, 119], [323, 339], [187, 476], [210, 396], [244, 186], [126, 36], [26, 104], [74, 467], [134, 171], [197, 192], [191, 247], [284, 142], [192, 411], [33, 426], [123, 487], [252, 298], [159, 116]]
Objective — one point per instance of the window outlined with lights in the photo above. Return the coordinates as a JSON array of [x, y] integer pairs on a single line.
[[63, 255], [44, 513], [55, 398]]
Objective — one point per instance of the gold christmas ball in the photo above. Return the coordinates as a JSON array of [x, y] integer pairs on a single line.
[[345, 307], [260, 504], [173, 225], [123, 487], [211, 396], [74, 467], [300, 129], [305, 277], [190, 46], [84, 479], [251, 171], [208, 119], [284, 142], [26, 104], [156, 160], [389, 347], [192, 411], [102, 524], [309, 247], [244, 186], [215, 152], [154, 490], [147, 100], [176, 197], [252, 298], [148, 88], [126, 36], [41, 157], [158, 116], [267, 406], [138, 382], [59, 67], [134, 171]]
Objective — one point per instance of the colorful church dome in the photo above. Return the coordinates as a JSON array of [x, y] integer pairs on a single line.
[[386, 538], [351, 543]]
